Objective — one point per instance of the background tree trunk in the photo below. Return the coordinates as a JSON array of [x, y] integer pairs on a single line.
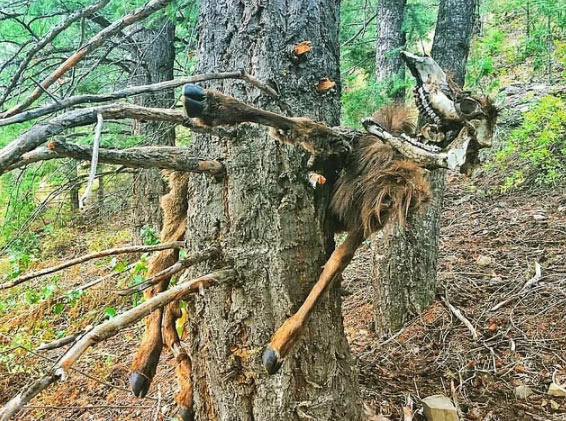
[[270, 223], [390, 40], [405, 260], [155, 52], [72, 174]]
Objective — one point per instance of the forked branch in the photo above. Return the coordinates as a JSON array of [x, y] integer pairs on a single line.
[[91, 256], [181, 265], [108, 329], [11, 154]]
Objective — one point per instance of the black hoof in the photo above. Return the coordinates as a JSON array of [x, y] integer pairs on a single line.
[[139, 384], [186, 414], [271, 360], [194, 98]]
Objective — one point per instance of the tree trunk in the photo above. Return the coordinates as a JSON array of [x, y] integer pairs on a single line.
[[74, 190], [155, 58], [100, 192], [405, 261], [272, 226], [390, 40]]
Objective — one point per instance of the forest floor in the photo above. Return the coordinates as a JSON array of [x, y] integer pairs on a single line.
[[489, 246]]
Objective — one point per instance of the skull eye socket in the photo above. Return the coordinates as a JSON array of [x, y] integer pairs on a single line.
[[469, 106]]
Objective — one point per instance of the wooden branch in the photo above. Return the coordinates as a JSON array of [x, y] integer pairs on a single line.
[[91, 45], [87, 257], [59, 342], [461, 317], [123, 93], [39, 133], [101, 279], [534, 280], [94, 160], [164, 157], [14, 405], [181, 265], [108, 329]]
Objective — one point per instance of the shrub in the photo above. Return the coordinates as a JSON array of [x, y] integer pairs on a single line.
[[537, 148]]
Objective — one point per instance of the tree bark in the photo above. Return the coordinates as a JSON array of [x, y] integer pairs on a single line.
[[390, 40], [74, 190], [156, 55], [405, 260], [271, 225]]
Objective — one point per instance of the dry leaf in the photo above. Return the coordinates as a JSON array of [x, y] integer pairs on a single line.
[[302, 48], [325, 84]]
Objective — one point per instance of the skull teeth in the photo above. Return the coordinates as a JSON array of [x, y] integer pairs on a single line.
[[424, 106], [415, 142]]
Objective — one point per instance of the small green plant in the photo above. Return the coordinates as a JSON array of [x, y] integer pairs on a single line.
[[149, 236], [536, 151]]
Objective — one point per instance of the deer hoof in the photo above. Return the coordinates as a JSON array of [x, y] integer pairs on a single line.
[[271, 360], [194, 98], [186, 414], [139, 384]]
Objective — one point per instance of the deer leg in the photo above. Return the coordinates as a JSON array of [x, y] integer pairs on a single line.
[[183, 367], [144, 366], [290, 332]]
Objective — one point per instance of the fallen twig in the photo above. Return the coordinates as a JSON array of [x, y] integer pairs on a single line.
[[461, 317], [190, 260], [531, 282]]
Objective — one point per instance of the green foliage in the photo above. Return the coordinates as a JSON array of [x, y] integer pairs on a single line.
[[537, 149], [360, 100], [149, 236]]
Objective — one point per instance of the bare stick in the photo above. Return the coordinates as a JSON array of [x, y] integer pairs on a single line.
[[59, 342], [95, 42], [461, 317], [94, 160], [191, 260], [87, 257], [534, 280], [108, 329], [102, 279], [122, 93], [164, 157]]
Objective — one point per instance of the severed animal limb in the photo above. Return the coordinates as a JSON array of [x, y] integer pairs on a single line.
[[174, 205], [183, 366], [290, 332], [212, 108]]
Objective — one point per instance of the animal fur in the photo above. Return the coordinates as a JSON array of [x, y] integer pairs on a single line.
[[396, 119], [174, 206], [377, 187]]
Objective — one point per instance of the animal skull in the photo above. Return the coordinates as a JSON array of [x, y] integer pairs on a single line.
[[459, 124]]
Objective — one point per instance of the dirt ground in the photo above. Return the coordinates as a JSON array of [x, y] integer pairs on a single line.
[[489, 247]]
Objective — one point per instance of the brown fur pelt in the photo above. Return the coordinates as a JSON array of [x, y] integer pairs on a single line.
[[396, 119], [377, 187]]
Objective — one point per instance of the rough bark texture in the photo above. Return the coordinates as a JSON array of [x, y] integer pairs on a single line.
[[155, 64], [405, 261], [270, 223], [390, 39]]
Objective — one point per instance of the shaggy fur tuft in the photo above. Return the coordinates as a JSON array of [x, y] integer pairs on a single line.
[[396, 119], [378, 187]]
